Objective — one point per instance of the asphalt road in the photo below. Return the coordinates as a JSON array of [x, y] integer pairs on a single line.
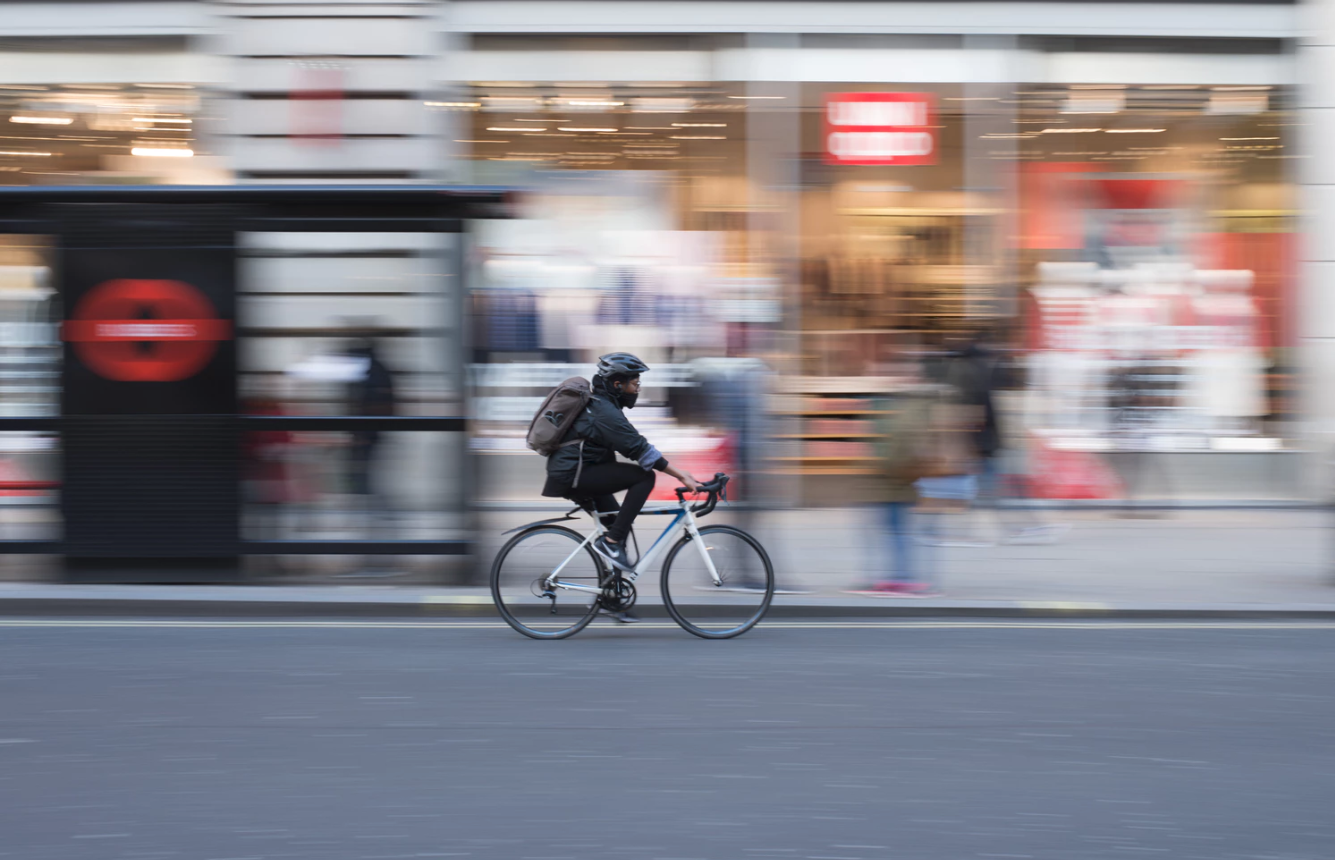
[[884, 740]]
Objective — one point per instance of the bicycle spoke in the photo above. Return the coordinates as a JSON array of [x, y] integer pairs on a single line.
[[527, 595], [733, 604]]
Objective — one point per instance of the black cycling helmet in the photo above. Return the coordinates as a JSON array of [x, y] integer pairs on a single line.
[[619, 365]]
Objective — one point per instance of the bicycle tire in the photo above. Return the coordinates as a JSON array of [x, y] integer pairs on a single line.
[[675, 609], [506, 608]]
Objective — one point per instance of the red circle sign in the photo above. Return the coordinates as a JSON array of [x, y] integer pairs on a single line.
[[116, 318]]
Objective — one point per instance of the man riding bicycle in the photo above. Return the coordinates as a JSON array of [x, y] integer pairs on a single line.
[[590, 471]]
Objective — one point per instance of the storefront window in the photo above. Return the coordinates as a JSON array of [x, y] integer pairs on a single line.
[[1157, 228], [71, 134], [637, 232]]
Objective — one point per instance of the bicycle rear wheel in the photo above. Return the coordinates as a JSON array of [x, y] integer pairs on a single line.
[[731, 607], [522, 567]]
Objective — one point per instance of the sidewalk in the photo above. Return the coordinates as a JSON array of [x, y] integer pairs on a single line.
[[1247, 563]]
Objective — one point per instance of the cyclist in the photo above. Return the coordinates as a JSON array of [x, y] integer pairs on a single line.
[[591, 472]]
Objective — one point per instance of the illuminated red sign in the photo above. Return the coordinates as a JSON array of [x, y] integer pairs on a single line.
[[145, 331], [880, 128]]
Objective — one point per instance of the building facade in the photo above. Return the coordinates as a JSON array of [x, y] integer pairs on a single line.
[[1116, 189]]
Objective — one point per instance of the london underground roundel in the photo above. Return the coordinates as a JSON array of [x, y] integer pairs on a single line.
[[134, 330]]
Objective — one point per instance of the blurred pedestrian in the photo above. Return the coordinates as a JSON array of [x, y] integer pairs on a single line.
[[370, 394], [949, 481], [733, 391], [264, 455], [907, 454], [976, 374]]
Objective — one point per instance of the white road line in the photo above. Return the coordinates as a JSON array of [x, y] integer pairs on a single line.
[[296, 624]]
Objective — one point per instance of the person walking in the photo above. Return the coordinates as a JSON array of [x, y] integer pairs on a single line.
[[905, 455], [976, 374], [370, 394]]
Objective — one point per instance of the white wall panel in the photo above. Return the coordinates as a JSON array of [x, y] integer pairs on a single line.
[[287, 312], [863, 65], [340, 275], [543, 65], [105, 19], [840, 16], [301, 242], [377, 74], [362, 116], [409, 354], [325, 9], [1315, 67], [1111, 68], [331, 37], [166, 67], [349, 155], [876, 65]]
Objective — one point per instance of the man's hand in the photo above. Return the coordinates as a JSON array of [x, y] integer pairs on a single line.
[[686, 479]]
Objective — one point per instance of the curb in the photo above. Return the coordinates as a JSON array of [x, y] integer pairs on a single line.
[[474, 607]]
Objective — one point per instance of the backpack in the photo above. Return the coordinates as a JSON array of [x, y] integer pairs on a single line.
[[547, 431]]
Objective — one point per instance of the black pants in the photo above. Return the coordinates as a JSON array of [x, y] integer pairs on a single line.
[[600, 482]]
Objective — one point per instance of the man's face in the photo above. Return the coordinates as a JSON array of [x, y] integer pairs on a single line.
[[630, 386]]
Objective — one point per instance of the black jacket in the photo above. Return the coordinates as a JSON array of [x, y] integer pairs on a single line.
[[606, 432], [974, 375]]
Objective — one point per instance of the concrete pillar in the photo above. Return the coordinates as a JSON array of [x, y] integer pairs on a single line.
[[1316, 252]]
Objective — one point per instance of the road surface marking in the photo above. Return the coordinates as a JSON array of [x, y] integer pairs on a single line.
[[1089, 624]]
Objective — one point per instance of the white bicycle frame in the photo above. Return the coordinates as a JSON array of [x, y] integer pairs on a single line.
[[683, 520]]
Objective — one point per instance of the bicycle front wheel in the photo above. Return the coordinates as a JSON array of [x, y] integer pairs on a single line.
[[734, 604], [530, 598]]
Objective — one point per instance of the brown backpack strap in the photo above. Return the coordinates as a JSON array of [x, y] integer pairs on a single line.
[[579, 469]]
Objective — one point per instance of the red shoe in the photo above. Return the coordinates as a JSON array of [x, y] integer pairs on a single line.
[[888, 588]]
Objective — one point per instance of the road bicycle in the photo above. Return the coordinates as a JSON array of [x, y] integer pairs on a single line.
[[717, 581]]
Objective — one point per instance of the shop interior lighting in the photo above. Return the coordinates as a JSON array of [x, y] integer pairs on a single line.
[[8, 152], [42, 120], [166, 86], [1239, 89], [697, 137], [25, 137], [454, 104], [1134, 130], [1069, 130], [757, 97], [1249, 138], [577, 128], [162, 152], [589, 103], [513, 128], [662, 105], [161, 119], [699, 125], [547, 119]]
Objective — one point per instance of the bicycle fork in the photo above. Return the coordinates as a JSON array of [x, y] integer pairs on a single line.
[[699, 541]]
